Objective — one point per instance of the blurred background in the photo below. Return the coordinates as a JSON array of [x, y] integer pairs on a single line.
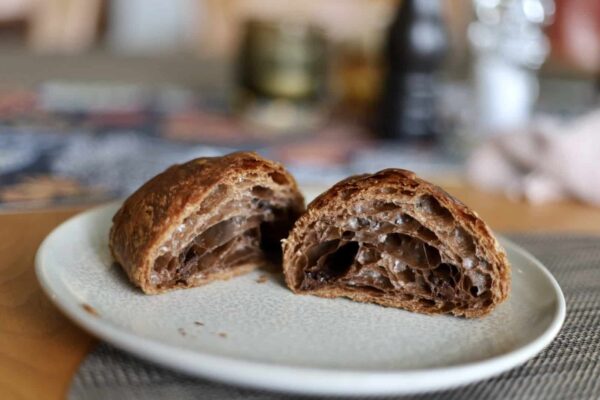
[[97, 96]]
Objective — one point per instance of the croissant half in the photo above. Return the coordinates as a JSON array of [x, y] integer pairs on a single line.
[[207, 219], [393, 239]]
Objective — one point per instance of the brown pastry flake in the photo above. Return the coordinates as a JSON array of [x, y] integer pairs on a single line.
[[90, 310], [262, 279]]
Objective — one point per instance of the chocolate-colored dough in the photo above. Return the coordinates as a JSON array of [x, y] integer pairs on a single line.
[[210, 218], [393, 239]]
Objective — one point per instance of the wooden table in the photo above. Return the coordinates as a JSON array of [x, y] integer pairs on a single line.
[[40, 349]]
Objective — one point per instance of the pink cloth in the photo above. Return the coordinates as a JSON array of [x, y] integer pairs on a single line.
[[549, 162]]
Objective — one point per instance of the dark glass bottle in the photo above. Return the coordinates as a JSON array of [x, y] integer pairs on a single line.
[[415, 48]]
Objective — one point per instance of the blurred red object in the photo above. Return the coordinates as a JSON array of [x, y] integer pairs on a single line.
[[203, 126], [334, 144], [17, 102], [575, 34]]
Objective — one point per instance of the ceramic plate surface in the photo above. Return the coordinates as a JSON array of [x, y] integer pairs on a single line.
[[249, 332]]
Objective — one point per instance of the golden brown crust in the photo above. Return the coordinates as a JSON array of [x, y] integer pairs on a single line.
[[404, 189], [148, 217]]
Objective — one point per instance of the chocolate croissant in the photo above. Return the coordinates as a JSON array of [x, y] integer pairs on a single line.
[[393, 239], [207, 219]]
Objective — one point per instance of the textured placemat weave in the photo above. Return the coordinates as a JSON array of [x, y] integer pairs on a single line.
[[568, 369]]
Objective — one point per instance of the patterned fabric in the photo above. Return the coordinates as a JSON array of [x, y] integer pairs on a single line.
[[569, 368]]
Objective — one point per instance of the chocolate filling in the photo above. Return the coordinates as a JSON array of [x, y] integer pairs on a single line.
[[238, 240], [383, 249]]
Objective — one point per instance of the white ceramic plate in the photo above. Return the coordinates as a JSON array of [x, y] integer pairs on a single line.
[[261, 335]]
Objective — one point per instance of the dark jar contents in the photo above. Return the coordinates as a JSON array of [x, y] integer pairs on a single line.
[[415, 48], [281, 75]]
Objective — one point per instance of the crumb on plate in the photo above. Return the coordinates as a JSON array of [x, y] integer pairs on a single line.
[[90, 310]]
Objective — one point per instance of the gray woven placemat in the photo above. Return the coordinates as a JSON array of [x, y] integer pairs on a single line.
[[568, 369]]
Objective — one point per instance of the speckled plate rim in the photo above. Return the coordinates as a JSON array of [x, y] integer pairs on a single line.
[[291, 378]]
